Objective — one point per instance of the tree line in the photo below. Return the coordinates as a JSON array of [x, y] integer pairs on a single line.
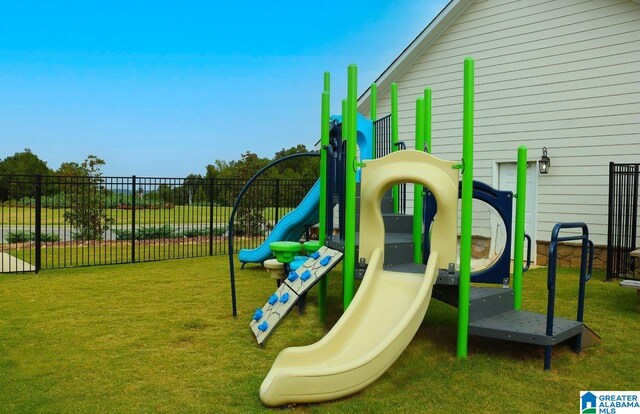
[[85, 194], [26, 163]]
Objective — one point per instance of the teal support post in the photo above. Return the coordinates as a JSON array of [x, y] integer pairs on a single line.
[[349, 264], [322, 228], [518, 243], [373, 98], [467, 211], [427, 119], [394, 140], [417, 188]]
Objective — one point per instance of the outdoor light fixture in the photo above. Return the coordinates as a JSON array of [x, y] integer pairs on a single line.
[[544, 162]]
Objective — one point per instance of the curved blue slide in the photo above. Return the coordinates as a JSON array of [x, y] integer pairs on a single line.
[[289, 228]]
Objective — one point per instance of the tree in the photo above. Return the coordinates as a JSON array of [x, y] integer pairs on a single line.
[[70, 169], [250, 215], [193, 185], [87, 212], [20, 163], [303, 168]]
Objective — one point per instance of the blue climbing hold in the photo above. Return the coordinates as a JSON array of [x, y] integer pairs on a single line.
[[296, 264], [292, 276], [325, 260], [284, 298], [305, 275], [273, 299], [257, 315], [263, 326], [315, 255]]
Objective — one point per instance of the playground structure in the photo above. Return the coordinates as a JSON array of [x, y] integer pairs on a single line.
[[406, 259]]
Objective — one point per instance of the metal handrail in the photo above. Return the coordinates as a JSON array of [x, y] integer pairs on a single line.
[[551, 276], [590, 271], [232, 278], [528, 265]]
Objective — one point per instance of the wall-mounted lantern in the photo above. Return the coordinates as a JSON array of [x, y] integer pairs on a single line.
[[544, 163]]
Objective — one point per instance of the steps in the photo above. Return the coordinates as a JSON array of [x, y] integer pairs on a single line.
[[527, 327]]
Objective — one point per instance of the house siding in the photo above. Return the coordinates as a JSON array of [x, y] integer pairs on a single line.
[[560, 74]]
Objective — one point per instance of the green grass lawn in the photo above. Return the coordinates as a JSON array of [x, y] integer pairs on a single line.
[[158, 337], [19, 216]]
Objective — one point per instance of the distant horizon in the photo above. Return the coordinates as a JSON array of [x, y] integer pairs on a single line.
[[160, 90]]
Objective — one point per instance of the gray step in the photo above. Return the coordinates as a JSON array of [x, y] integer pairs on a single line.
[[526, 327], [398, 248], [392, 238], [483, 301], [393, 223], [386, 205], [416, 268]]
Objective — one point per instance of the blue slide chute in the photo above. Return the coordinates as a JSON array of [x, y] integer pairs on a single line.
[[290, 228]]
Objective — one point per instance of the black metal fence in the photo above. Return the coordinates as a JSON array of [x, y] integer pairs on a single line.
[[623, 221], [56, 221], [384, 146], [382, 128]]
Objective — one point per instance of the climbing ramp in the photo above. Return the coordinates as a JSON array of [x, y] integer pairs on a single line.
[[296, 284]]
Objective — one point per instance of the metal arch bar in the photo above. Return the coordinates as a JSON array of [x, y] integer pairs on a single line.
[[232, 276]]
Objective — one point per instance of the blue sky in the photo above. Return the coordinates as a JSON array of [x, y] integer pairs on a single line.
[[164, 88]]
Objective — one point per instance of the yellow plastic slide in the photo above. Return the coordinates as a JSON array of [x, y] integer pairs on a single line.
[[369, 337], [388, 308]]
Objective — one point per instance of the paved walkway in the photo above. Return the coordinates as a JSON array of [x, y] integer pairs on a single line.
[[12, 264]]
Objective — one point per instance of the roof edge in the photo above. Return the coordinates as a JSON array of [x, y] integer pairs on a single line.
[[415, 49]]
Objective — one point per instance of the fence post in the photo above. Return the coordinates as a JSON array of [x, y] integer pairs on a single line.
[[38, 195], [133, 219], [211, 216], [610, 225], [634, 214], [277, 200]]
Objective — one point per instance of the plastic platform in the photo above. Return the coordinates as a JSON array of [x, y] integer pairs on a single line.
[[526, 327]]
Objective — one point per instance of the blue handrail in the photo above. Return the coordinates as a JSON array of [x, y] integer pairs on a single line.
[[586, 256]]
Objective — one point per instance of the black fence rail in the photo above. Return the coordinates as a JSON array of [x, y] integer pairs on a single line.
[[53, 222], [624, 180], [382, 132], [384, 146]]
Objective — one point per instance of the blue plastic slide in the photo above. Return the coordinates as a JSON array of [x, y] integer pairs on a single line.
[[289, 228]]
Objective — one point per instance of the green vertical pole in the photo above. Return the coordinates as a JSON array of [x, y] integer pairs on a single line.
[[417, 188], [322, 229], [373, 98], [394, 140], [518, 243], [467, 211], [349, 264], [427, 119]]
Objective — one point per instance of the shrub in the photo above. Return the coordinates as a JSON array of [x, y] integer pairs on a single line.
[[122, 234], [29, 236], [219, 231], [48, 237], [195, 232], [20, 236], [160, 232], [147, 233]]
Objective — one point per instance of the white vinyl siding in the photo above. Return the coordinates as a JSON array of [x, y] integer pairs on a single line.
[[563, 74]]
